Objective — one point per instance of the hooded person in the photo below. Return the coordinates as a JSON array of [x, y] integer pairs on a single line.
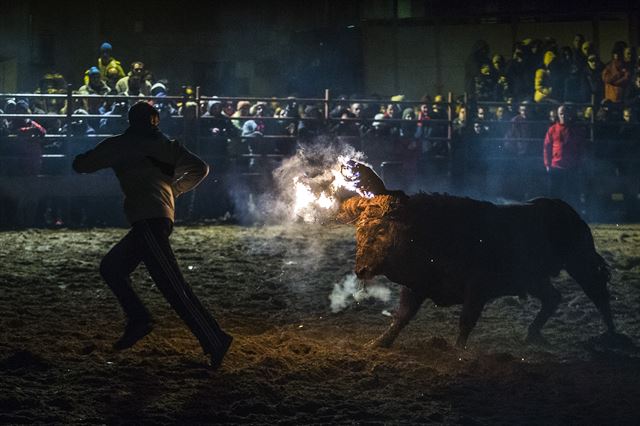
[[616, 75], [543, 78], [152, 170]]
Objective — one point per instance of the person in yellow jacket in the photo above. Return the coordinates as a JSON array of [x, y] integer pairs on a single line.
[[542, 82], [105, 62]]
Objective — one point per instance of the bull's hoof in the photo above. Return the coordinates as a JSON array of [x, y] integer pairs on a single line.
[[378, 342], [536, 339]]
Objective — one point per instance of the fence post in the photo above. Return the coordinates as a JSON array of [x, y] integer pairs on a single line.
[[69, 111], [197, 121], [327, 97], [449, 116]]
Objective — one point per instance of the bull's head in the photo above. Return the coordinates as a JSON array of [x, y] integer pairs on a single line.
[[381, 232]]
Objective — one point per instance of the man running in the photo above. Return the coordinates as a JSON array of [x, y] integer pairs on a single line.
[[152, 171]]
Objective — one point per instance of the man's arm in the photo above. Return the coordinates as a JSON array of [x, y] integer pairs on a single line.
[[548, 149], [101, 157], [190, 170]]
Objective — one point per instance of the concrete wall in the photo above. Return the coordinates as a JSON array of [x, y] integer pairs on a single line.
[[431, 59], [245, 50]]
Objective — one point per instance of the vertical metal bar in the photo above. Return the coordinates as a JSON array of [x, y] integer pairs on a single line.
[[197, 121], [396, 78], [327, 98], [184, 114]]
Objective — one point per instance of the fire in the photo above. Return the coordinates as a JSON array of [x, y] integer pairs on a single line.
[[316, 196]]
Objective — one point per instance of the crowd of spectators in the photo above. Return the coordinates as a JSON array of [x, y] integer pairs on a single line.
[[504, 114]]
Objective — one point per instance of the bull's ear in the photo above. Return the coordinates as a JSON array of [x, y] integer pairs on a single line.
[[350, 209]]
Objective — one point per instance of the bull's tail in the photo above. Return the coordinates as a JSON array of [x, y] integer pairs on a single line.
[[573, 243]]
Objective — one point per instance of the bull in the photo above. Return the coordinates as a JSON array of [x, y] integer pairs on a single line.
[[456, 250]]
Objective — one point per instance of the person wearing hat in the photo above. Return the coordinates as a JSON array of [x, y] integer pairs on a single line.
[[95, 86], [543, 79], [153, 170], [242, 110], [106, 60], [616, 76]]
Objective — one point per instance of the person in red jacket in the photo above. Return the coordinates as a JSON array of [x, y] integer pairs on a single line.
[[564, 149], [153, 170]]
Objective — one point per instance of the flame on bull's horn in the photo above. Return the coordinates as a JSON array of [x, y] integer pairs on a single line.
[[308, 200]]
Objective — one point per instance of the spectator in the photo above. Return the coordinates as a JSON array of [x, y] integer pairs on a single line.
[[111, 125], [96, 86], [242, 110], [544, 79], [594, 78], [560, 71], [23, 126], [406, 149], [485, 86], [113, 76], [313, 124], [479, 55], [135, 83], [576, 86], [106, 60], [137, 69], [579, 58], [523, 132], [516, 74], [632, 97], [27, 149], [255, 127], [216, 123], [79, 125], [564, 149], [616, 76], [501, 123], [347, 126]]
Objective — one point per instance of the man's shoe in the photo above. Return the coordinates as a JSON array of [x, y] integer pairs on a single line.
[[217, 357], [133, 332]]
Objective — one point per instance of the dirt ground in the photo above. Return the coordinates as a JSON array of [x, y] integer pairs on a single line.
[[294, 361]]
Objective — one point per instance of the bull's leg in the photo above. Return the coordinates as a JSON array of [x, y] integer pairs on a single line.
[[471, 310], [594, 284], [410, 302], [550, 299]]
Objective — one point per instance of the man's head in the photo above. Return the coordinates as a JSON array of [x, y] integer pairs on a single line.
[[356, 109], [94, 77], [481, 113], [105, 51], [137, 68], [617, 53], [566, 114], [143, 116], [497, 61], [549, 56]]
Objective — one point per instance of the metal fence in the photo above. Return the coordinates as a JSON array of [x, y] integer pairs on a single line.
[[37, 180]]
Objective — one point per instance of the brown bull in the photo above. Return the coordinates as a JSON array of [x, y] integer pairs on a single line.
[[461, 251]]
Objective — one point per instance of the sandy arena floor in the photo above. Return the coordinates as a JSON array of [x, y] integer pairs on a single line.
[[293, 360]]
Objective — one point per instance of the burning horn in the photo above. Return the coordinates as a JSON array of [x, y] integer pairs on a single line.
[[364, 178]]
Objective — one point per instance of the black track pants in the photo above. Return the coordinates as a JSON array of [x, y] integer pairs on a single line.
[[148, 242]]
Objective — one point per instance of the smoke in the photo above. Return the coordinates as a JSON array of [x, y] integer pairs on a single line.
[[351, 289], [306, 187], [309, 184]]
